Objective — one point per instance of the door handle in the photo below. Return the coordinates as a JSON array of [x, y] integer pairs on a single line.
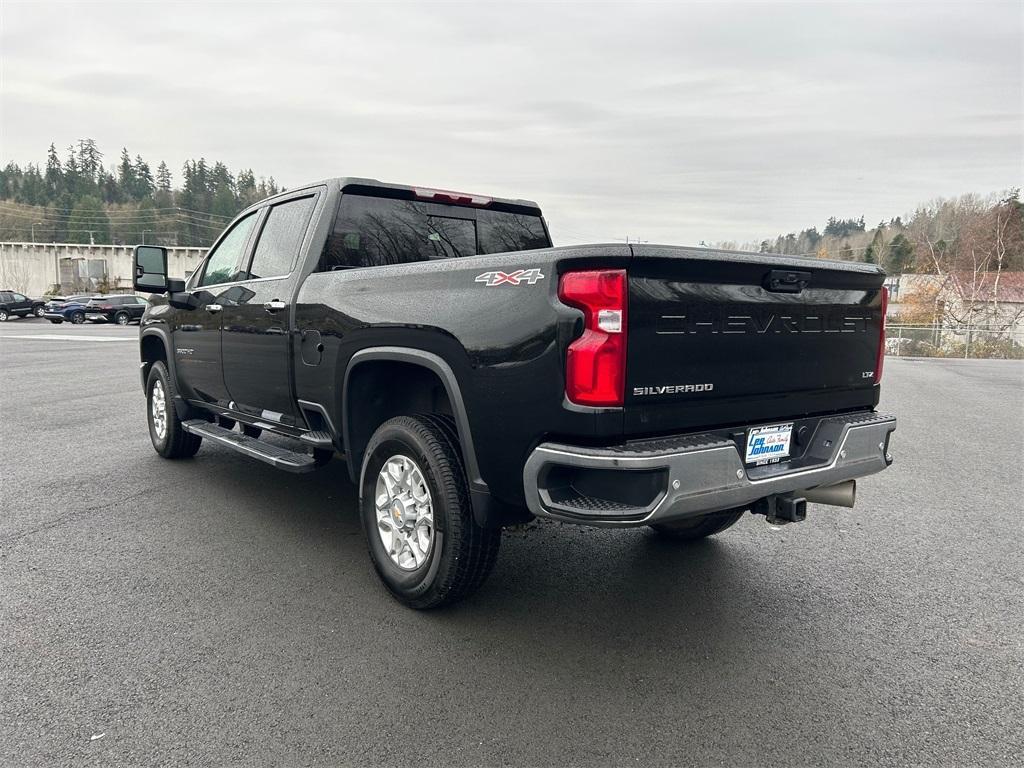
[[213, 309], [274, 306]]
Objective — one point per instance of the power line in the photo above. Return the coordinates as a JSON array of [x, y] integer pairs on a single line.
[[141, 218], [46, 210]]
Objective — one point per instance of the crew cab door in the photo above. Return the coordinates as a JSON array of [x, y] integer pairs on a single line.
[[197, 342], [257, 316]]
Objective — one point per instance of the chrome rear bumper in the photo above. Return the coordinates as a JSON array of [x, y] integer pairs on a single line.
[[670, 478]]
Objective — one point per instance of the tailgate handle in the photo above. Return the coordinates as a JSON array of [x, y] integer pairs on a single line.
[[786, 281]]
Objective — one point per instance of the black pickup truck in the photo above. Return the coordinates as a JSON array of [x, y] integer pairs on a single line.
[[473, 377]]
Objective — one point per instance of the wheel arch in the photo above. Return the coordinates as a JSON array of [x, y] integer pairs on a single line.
[[374, 364], [154, 345]]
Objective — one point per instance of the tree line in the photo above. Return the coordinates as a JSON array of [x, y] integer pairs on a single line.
[[970, 233], [79, 199]]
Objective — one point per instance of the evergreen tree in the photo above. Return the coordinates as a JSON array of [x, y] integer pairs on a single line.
[[54, 174], [33, 187], [143, 178], [901, 256], [126, 176], [90, 159], [163, 177], [72, 175]]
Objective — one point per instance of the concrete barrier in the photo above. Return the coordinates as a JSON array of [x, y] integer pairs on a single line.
[[38, 268]]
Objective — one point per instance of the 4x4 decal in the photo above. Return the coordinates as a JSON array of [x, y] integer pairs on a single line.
[[491, 279]]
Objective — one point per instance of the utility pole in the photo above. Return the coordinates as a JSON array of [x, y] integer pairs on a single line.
[[144, 235], [34, 225]]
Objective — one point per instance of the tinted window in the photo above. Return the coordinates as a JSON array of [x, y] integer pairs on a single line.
[[281, 238], [5, 296], [19, 297], [220, 266], [371, 231]]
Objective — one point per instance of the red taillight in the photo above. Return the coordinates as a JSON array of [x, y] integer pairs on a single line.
[[881, 336], [595, 363]]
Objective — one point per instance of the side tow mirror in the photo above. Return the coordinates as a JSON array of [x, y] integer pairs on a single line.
[[150, 269]]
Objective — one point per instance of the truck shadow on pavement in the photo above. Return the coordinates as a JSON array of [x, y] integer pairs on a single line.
[[619, 587]]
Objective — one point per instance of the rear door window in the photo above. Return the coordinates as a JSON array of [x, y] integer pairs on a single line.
[[281, 238]]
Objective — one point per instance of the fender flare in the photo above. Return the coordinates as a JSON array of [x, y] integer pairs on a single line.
[[444, 372], [165, 339]]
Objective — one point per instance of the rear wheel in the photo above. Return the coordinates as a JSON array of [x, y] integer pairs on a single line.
[[122, 318], [414, 502], [694, 528], [169, 438], [38, 311], [4, 315]]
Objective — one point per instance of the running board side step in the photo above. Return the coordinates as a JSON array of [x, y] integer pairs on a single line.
[[317, 439], [274, 455]]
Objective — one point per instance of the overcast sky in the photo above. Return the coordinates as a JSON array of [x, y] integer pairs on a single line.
[[670, 122]]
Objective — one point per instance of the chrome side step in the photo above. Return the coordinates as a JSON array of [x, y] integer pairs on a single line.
[[276, 456]]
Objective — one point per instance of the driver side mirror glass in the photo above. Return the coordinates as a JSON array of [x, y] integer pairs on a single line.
[[150, 269]]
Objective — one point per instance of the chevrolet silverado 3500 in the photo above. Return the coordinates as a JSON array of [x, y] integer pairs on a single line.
[[472, 376]]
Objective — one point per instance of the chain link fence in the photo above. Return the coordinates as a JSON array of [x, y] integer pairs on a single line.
[[937, 341]]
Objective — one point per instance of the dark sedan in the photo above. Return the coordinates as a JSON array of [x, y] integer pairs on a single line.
[[115, 309]]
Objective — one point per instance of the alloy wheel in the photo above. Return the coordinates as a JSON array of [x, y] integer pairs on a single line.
[[405, 513], [158, 409]]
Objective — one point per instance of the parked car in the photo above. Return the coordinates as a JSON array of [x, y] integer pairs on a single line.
[[122, 310], [14, 304], [71, 308], [473, 377]]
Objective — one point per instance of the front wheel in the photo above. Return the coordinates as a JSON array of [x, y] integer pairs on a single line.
[[78, 318], [4, 315], [122, 318], [39, 311], [694, 528], [414, 503], [169, 438]]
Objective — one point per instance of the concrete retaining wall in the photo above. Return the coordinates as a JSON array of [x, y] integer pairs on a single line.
[[38, 268]]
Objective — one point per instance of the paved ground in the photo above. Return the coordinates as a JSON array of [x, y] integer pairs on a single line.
[[217, 612]]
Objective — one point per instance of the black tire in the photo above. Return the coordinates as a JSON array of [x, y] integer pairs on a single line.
[[4, 315], [122, 318], [462, 553], [38, 311], [56, 322], [175, 443], [77, 318], [695, 528]]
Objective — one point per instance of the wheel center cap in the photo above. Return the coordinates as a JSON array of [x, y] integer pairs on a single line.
[[398, 512]]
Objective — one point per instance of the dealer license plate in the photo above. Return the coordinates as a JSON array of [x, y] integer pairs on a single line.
[[766, 445]]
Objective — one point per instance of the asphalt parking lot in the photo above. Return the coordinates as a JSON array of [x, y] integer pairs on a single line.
[[216, 612]]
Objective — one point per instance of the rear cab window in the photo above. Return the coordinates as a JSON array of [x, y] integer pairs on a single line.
[[372, 231], [281, 237]]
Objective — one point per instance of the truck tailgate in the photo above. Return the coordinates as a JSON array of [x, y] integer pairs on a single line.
[[729, 338]]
